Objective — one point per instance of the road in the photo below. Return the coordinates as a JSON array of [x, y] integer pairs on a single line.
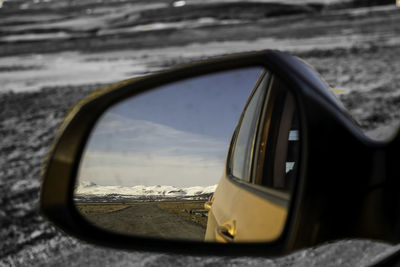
[[149, 220]]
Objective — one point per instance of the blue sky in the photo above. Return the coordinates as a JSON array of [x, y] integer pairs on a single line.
[[177, 134]]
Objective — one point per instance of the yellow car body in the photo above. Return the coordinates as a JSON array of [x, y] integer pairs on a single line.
[[230, 209]]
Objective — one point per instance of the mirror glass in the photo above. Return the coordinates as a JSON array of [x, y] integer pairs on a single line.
[[159, 164]]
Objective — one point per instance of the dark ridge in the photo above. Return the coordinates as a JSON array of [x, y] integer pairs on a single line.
[[126, 198], [362, 3], [5, 32], [322, 53], [57, 7], [18, 68]]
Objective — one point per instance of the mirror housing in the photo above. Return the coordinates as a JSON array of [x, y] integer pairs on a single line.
[[339, 188]]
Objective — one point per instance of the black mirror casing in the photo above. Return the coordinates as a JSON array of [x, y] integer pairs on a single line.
[[327, 203]]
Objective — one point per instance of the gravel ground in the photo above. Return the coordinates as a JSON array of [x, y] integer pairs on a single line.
[[29, 120]]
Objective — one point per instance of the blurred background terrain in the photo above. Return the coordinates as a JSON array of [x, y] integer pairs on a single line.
[[55, 52]]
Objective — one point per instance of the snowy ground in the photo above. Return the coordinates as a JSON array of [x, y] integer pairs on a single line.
[[355, 50]]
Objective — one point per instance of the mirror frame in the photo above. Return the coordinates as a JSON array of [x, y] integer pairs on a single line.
[[61, 165]]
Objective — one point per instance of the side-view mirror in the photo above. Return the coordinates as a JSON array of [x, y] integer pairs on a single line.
[[247, 154]]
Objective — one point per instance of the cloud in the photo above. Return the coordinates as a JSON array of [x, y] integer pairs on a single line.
[[116, 133], [125, 151]]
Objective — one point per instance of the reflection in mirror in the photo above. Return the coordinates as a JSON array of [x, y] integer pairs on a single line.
[[154, 160]]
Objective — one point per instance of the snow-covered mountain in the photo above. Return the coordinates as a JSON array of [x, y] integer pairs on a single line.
[[89, 191]]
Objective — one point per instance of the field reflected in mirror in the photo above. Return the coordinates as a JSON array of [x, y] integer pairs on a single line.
[[154, 160]]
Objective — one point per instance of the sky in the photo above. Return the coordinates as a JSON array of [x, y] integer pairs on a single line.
[[177, 134]]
